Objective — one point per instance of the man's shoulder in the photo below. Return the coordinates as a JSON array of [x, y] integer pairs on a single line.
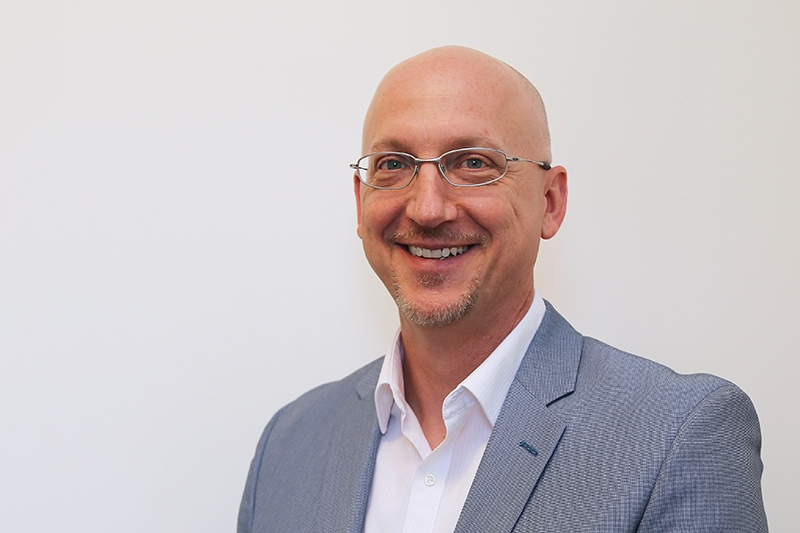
[[617, 369], [325, 400], [309, 451], [596, 362], [620, 394], [630, 438]]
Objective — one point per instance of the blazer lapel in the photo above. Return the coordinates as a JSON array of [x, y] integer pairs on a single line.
[[526, 433], [350, 462]]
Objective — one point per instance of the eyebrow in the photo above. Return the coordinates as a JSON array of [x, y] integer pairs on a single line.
[[396, 145]]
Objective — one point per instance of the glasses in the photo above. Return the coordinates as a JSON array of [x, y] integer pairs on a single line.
[[465, 167]]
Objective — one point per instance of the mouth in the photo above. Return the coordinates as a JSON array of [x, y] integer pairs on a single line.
[[437, 253]]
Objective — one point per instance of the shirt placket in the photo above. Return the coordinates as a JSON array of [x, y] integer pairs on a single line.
[[430, 477]]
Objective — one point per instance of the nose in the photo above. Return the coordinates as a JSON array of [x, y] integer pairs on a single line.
[[431, 200]]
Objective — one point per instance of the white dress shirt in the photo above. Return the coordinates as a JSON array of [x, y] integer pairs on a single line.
[[419, 490]]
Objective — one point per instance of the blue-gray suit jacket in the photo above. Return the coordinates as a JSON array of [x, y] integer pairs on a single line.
[[589, 439]]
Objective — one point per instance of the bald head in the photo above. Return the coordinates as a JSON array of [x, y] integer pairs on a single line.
[[478, 245], [455, 79]]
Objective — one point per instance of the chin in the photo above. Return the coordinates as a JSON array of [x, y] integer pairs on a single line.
[[429, 314]]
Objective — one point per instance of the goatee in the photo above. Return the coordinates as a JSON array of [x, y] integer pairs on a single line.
[[434, 315]]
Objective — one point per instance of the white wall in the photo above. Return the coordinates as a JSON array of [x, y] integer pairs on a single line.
[[178, 254]]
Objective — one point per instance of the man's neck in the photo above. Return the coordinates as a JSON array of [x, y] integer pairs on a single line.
[[437, 359]]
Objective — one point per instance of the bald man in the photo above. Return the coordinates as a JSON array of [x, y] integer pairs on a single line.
[[489, 412]]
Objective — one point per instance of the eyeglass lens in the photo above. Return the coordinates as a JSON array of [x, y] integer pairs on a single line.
[[392, 170]]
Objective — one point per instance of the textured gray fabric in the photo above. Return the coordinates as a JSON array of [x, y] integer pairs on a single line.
[[589, 439]]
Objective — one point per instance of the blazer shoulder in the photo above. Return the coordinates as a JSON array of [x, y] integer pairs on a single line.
[[562, 364], [620, 369], [314, 451], [336, 394], [662, 451]]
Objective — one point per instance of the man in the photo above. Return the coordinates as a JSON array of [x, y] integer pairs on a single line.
[[490, 413]]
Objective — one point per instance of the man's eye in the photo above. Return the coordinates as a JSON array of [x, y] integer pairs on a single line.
[[472, 163], [391, 164]]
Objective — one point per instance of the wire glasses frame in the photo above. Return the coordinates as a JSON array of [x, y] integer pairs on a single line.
[[464, 167]]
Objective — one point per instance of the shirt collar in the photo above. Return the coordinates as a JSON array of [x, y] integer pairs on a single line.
[[489, 383], [390, 384]]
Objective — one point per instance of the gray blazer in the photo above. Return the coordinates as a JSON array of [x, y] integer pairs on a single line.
[[589, 439]]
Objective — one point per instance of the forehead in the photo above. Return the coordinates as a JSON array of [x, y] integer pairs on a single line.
[[440, 106]]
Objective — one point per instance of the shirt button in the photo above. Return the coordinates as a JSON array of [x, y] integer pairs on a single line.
[[429, 479]]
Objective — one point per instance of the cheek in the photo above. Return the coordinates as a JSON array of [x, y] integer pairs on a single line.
[[528, 212], [377, 216], [515, 226], [500, 216]]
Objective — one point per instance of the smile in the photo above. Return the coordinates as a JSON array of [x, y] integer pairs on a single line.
[[440, 253]]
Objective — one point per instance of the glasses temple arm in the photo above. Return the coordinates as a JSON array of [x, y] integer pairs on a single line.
[[543, 164]]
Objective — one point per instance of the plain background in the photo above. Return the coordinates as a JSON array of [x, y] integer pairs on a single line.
[[178, 255]]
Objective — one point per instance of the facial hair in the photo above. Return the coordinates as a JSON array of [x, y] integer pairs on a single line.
[[440, 315], [434, 316]]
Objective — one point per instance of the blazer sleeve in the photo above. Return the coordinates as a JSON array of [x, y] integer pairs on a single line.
[[710, 480], [247, 507]]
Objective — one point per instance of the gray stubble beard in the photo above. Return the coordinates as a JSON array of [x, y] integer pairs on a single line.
[[441, 315]]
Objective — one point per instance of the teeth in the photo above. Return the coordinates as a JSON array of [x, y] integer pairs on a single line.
[[440, 253]]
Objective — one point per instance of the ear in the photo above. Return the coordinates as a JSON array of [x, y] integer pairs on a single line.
[[555, 194], [357, 191]]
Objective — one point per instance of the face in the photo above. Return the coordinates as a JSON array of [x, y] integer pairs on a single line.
[[445, 252]]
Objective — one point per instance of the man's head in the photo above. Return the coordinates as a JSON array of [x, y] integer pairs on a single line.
[[483, 240]]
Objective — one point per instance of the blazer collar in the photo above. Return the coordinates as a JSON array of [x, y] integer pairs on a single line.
[[527, 432], [550, 367]]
